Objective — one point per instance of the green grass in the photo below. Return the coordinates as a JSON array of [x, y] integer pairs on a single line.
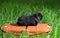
[[10, 10]]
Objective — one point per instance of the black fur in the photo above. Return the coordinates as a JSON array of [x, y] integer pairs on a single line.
[[29, 20]]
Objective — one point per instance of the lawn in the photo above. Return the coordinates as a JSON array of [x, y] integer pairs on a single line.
[[10, 10]]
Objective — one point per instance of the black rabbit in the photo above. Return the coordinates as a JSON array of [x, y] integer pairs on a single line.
[[29, 20]]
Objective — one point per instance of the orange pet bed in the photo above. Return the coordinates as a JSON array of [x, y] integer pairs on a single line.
[[40, 28]]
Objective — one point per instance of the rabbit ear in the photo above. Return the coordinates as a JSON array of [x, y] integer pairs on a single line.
[[38, 15], [41, 16]]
